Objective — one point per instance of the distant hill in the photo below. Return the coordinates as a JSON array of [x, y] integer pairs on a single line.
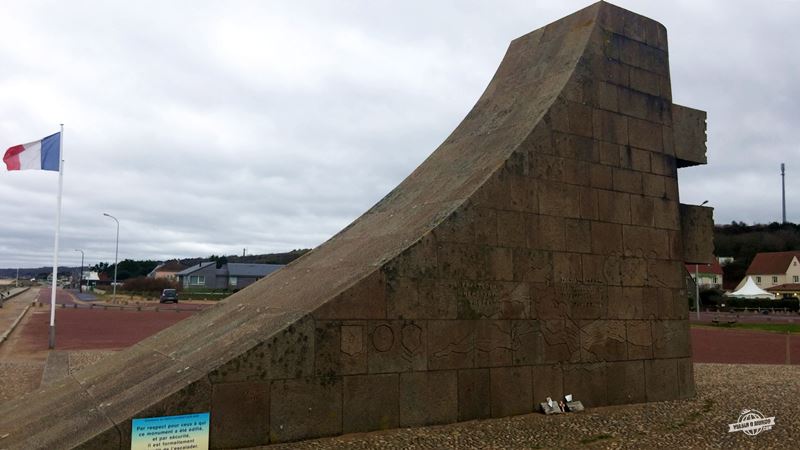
[[268, 258], [36, 272], [743, 241]]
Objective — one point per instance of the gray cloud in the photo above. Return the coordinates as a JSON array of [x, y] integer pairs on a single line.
[[207, 127]]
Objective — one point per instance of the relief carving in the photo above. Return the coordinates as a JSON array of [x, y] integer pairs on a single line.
[[383, 338], [352, 339], [411, 337]]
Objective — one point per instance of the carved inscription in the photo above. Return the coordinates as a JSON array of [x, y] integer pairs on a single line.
[[586, 301], [578, 299], [578, 295], [491, 300]]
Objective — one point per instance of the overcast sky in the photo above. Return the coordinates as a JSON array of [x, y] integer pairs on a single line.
[[209, 127]]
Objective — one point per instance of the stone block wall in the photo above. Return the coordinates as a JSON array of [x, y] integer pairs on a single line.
[[561, 274]]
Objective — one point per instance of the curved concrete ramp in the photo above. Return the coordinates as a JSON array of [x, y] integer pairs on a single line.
[[536, 252]]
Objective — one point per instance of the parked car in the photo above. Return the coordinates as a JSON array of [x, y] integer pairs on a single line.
[[169, 295]]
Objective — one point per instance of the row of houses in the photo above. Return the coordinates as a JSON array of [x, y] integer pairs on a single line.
[[211, 275], [775, 272]]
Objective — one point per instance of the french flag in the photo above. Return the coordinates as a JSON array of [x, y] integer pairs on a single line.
[[44, 154]]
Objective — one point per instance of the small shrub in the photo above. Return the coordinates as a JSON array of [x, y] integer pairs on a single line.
[[753, 303], [711, 297], [148, 286]]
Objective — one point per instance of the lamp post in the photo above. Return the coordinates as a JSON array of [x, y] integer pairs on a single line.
[[80, 277], [697, 290], [697, 283], [116, 255]]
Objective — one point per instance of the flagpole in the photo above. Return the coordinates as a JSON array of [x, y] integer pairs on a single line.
[[55, 246]]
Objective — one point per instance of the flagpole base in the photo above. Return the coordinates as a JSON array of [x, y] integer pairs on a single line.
[[52, 341]]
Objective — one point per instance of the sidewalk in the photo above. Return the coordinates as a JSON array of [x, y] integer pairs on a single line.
[[83, 296], [8, 295], [13, 308], [20, 373]]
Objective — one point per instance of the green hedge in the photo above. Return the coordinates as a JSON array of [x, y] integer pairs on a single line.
[[711, 297], [147, 286], [752, 303], [203, 295]]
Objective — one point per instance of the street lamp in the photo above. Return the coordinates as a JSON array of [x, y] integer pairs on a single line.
[[116, 254], [697, 290], [80, 277]]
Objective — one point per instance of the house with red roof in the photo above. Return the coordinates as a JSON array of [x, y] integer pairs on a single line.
[[168, 270], [776, 272], [707, 275]]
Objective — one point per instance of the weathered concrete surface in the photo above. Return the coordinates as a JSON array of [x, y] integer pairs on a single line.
[[536, 252], [697, 227], [690, 135]]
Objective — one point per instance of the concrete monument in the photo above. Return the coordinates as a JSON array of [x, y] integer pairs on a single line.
[[538, 251]]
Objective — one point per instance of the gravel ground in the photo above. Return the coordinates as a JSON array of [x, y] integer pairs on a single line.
[[81, 358], [18, 377], [723, 390]]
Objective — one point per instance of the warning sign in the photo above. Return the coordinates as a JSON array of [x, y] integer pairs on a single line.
[[187, 432]]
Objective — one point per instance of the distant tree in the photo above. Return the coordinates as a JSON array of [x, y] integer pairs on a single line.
[[743, 242], [219, 260], [127, 268], [99, 267]]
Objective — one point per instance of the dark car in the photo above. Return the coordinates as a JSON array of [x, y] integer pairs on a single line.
[[169, 295]]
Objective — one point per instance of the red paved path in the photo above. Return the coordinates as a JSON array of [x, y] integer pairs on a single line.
[[744, 346], [62, 297], [95, 328]]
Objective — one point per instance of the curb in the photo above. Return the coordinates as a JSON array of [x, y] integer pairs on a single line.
[[14, 325], [25, 289]]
